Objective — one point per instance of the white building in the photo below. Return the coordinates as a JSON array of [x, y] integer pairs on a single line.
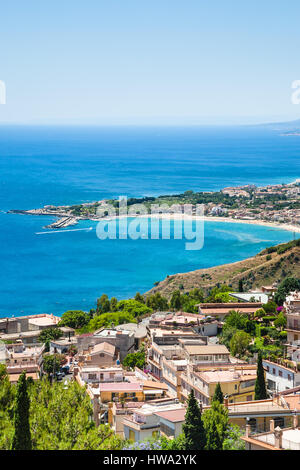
[[280, 378]]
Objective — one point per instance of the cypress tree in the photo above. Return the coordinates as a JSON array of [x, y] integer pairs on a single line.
[[218, 395], [215, 421], [22, 437], [260, 384], [241, 285], [193, 429]]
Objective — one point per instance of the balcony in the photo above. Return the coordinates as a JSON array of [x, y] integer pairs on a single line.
[[295, 326]]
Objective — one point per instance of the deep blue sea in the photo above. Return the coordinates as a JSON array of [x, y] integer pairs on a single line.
[[49, 165]]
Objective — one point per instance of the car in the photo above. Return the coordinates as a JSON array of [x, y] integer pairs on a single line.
[[59, 375], [65, 369]]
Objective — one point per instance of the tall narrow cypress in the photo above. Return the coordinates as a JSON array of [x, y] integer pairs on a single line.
[[22, 437], [218, 395], [260, 384], [193, 430]]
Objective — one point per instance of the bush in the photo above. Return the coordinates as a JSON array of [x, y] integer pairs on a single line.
[[268, 319], [283, 335]]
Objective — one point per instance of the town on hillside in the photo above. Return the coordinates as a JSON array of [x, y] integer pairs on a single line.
[[236, 356], [279, 204]]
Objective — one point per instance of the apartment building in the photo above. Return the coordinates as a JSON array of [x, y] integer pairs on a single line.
[[103, 354], [154, 419], [220, 310], [279, 377], [292, 312], [122, 340], [183, 322], [18, 358], [28, 328], [237, 382]]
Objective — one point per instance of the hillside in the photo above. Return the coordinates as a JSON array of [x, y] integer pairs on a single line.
[[271, 265]]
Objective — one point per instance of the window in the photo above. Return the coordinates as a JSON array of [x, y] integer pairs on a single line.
[[280, 373], [131, 435], [273, 371], [289, 377], [248, 383], [92, 376], [279, 422]]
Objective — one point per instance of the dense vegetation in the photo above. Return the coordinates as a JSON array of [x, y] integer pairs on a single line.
[[42, 416]]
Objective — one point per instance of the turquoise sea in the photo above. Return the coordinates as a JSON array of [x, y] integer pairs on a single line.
[[48, 165]]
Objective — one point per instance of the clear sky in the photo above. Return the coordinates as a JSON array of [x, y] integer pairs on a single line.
[[149, 61]]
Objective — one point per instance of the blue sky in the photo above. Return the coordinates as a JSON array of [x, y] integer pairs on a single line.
[[137, 61]]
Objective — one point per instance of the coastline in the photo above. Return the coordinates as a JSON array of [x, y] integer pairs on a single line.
[[287, 227]]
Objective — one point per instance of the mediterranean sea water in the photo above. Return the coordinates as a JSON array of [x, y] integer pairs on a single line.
[[67, 165]]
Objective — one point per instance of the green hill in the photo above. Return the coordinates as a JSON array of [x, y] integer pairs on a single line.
[[271, 265]]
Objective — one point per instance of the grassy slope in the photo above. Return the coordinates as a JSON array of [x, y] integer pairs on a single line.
[[255, 272]]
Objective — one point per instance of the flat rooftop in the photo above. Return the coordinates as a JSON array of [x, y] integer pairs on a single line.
[[199, 350], [227, 375], [43, 321]]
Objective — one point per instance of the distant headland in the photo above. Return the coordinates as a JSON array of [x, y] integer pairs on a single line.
[[275, 205]]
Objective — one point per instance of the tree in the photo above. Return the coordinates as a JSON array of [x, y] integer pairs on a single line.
[[103, 304], [218, 395], [260, 384], [215, 421], [3, 372], [6, 390], [236, 319], [280, 321], [197, 294], [233, 439], [133, 307], [270, 307], [223, 297], [113, 304], [239, 343], [241, 285], [50, 334], [193, 430], [288, 285], [157, 302], [176, 302], [74, 319], [217, 290], [61, 419], [139, 298], [106, 320], [22, 437], [52, 363], [137, 359]]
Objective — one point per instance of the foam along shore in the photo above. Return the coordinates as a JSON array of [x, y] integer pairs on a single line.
[[179, 216], [68, 220]]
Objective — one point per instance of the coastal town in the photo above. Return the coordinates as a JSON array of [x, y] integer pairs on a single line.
[[232, 354], [273, 204]]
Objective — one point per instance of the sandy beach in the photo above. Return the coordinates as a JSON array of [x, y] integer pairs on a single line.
[[288, 227]]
